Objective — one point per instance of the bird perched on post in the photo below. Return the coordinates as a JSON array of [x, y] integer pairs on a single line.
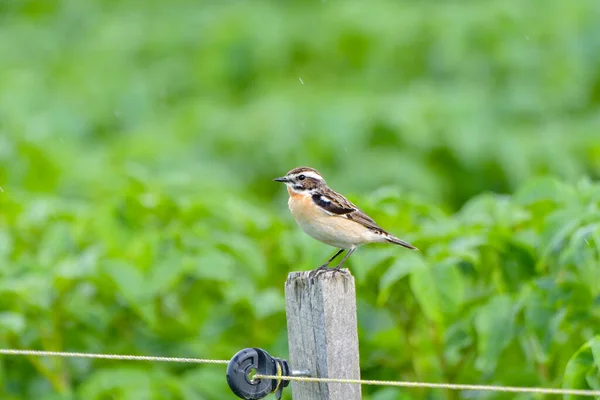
[[329, 217]]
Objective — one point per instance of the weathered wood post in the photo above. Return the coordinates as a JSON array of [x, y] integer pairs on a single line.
[[322, 333]]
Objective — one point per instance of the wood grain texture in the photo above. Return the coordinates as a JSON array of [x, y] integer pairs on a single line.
[[322, 333]]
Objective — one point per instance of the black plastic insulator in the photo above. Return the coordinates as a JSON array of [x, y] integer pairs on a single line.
[[251, 361]]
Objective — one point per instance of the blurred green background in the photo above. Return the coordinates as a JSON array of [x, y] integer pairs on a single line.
[[138, 140]]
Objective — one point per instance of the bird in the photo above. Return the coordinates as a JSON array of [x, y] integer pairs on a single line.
[[329, 217]]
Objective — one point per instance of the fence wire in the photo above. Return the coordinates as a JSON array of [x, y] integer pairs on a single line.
[[111, 356], [429, 385], [405, 384]]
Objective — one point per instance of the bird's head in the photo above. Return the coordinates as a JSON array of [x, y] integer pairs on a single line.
[[302, 179]]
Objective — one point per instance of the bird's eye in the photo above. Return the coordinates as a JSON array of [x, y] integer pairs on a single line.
[[301, 177]]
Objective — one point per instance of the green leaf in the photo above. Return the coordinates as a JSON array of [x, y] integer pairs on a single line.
[[494, 326], [439, 289], [129, 280], [268, 302], [118, 383], [166, 274], [370, 259], [215, 265], [133, 286], [401, 267], [6, 246], [583, 369], [246, 253], [12, 322], [545, 189], [389, 394], [197, 378], [79, 266]]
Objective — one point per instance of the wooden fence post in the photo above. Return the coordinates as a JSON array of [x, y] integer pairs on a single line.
[[322, 333]]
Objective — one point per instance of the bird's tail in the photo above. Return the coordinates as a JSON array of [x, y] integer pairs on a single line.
[[395, 240]]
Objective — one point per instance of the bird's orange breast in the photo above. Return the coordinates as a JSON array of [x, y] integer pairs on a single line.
[[295, 195], [302, 206]]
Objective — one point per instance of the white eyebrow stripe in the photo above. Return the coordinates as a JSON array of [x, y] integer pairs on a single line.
[[310, 174]]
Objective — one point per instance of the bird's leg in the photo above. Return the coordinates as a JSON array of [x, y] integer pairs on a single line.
[[324, 266], [337, 267], [331, 259]]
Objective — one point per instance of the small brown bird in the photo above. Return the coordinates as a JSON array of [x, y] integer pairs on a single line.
[[329, 217]]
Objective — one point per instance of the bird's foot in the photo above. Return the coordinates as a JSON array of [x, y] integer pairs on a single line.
[[338, 269], [323, 268], [318, 271]]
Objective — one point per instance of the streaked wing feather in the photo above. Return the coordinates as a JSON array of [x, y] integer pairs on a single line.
[[364, 219], [334, 203]]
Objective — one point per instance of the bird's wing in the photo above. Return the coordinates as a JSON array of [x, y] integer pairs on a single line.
[[365, 220], [334, 203]]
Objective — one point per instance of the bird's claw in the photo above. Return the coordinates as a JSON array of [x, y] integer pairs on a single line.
[[323, 268], [338, 269], [317, 271]]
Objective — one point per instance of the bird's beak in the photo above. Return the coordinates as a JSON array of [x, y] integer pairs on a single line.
[[282, 179]]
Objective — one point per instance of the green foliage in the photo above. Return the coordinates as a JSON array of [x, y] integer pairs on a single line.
[[137, 214], [506, 291], [583, 369]]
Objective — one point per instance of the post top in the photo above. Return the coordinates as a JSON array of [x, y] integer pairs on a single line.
[[344, 274]]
